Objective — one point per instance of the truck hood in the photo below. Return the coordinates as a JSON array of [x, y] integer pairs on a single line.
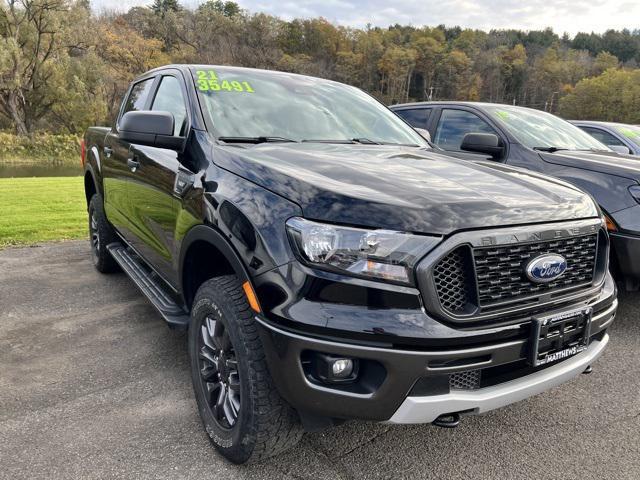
[[403, 188], [610, 163]]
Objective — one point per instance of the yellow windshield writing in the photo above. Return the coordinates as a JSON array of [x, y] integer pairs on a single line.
[[627, 132], [208, 81]]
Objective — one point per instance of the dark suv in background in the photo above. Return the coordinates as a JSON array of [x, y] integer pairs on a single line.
[[538, 141]]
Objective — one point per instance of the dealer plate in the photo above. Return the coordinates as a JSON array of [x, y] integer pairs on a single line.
[[559, 336]]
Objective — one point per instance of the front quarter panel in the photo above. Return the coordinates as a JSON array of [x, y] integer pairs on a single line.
[[251, 218], [628, 219]]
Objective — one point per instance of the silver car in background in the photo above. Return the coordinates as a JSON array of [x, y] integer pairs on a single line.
[[619, 137]]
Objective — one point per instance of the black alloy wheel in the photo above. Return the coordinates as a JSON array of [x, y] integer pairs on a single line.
[[219, 372], [94, 233], [241, 409], [101, 234]]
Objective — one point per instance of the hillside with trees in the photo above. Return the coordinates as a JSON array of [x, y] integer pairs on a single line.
[[64, 67]]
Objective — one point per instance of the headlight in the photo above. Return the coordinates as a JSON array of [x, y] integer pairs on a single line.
[[381, 254], [634, 190]]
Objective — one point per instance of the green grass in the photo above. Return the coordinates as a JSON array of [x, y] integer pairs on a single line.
[[34, 210]]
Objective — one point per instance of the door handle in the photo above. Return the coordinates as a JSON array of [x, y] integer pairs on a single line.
[[107, 151], [132, 164]]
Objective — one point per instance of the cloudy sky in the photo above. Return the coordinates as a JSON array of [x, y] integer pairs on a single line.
[[570, 16]]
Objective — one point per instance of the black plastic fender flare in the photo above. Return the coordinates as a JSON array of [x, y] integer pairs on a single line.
[[210, 235], [88, 170]]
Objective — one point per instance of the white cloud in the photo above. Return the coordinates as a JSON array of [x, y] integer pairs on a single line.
[[561, 15]]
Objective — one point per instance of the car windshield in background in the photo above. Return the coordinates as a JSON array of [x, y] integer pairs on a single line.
[[269, 107], [630, 132], [543, 131]]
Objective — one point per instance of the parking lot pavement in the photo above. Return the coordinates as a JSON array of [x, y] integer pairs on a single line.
[[94, 385]]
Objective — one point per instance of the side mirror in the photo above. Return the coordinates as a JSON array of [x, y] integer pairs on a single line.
[[154, 129], [486, 143], [620, 149], [424, 134]]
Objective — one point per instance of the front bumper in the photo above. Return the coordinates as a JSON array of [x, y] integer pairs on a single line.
[[626, 249], [394, 396], [427, 409]]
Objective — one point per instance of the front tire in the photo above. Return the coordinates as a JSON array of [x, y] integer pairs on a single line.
[[101, 234], [246, 418]]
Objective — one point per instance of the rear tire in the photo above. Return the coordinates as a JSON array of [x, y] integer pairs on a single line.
[[246, 418], [101, 234]]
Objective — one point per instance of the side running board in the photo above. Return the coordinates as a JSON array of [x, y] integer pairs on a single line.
[[173, 313]]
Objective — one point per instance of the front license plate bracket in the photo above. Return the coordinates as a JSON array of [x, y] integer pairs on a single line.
[[559, 336]]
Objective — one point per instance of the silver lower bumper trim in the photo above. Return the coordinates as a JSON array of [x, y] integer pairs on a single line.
[[427, 409]]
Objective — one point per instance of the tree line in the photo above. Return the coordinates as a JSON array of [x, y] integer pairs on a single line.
[[64, 67]]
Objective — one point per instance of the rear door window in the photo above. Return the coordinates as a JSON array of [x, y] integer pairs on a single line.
[[455, 124], [416, 117], [138, 96]]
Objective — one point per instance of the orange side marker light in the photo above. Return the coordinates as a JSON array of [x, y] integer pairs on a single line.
[[611, 226], [251, 297]]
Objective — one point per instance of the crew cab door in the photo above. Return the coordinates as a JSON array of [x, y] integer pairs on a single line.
[[153, 201], [115, 171]]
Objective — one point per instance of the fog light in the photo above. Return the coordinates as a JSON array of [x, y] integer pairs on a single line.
[[333, 369], [342, 367]]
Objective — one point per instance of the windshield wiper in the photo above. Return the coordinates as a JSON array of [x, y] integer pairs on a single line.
[[256, 140], [313, 140], [346, 141], [362, 141], [366, 141], [549, 149]]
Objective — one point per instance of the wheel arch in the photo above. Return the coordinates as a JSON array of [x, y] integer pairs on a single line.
[[90, 186], [216, 257]]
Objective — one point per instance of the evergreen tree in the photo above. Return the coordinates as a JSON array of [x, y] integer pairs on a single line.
[[162, 7]]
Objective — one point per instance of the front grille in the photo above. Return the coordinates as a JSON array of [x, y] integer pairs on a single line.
[[454, 280], [470, 279], [469, 380], [500, 271]]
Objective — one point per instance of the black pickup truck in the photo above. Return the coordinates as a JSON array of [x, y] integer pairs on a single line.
[[329, 265]]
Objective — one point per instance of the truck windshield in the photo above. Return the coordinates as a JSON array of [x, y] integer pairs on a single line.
[[543, 131], [631, 133], [254, 104]]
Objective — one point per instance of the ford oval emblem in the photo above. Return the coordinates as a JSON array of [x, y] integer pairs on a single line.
[[546, 268]]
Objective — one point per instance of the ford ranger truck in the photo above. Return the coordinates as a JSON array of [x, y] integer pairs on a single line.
[[329, 265]]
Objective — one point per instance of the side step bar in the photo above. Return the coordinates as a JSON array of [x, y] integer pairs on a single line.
[[173, 313]]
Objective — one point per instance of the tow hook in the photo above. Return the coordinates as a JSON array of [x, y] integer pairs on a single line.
[[588, 370], [448, 420]]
